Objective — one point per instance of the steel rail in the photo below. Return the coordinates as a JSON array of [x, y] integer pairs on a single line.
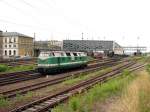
[[50, 101]]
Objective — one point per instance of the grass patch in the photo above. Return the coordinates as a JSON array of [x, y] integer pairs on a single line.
[[3, 102], [135, 97], [144, 101], [28, 95], [68, 82], [5, 68], [148, 68], [84, 76], [21, 68], [144, 59], [144, 93], [83, 102]]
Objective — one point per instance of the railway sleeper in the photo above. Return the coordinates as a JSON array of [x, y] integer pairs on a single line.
[[53, 99]]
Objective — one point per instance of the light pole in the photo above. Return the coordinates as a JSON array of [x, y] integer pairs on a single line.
[[82, 41]]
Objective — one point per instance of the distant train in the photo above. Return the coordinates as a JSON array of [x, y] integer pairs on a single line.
[[56, 61]]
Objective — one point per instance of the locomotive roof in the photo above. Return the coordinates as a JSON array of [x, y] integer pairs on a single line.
[[63, 51]]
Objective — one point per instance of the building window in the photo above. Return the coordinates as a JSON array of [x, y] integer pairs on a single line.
[[9, 40], [5, 46], [14, 52], [14, 39], [5, 53], [5, 40], [9, 52], [9, 46], [14, 45]]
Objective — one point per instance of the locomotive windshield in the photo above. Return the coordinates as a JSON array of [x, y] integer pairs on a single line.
[[46, 54]]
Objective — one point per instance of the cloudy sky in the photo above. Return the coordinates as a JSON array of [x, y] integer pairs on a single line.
[[125, 21]]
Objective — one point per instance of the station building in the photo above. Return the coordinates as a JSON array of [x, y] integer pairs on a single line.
[[92, 46], [46, 45], [15, 44], [134, 50]]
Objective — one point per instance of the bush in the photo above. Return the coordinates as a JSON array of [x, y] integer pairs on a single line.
[[74, 103], [3, 68]]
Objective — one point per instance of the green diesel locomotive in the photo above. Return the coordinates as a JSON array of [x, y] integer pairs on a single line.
[[56, 61]]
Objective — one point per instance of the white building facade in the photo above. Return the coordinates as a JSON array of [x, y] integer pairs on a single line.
[[10, 46], [15, 44]]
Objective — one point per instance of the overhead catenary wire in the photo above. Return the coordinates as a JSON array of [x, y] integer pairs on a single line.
[[27, 3], [24, 25], [34, 19], [23, 13], [71, 21]]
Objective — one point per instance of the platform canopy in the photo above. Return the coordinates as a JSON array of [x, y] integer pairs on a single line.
[[135, 48]]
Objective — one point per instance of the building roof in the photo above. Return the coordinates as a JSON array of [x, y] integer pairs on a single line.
[[89, 45], [92, 40], [8, 34]]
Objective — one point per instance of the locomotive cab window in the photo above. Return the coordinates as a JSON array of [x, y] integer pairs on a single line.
[[68, 54], [46, 54], [51, 54], [75, 54], [79, 54]]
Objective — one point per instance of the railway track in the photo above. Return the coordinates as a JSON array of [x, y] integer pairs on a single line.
[[19, 60], [33, 62], [10, 78], [44, 104], [18, 63], [56, 80]]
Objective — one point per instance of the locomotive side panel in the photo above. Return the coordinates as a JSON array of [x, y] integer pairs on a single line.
[[49, 62]]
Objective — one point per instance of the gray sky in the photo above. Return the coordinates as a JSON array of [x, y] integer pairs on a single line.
[[119, 20]]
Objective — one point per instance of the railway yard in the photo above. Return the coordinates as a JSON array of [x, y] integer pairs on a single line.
[[32, 91], [74, 56]]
